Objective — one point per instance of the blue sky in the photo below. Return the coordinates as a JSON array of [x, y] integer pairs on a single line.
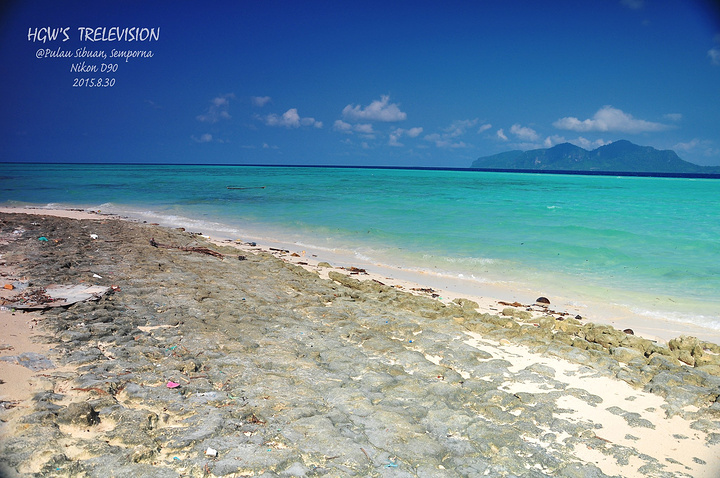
[[361, 83]]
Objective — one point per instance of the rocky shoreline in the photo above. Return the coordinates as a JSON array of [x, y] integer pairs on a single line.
[[239, 363]]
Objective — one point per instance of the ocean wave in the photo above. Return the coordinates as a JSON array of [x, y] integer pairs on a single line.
[[698, 319], [460, 260], [172, 220]]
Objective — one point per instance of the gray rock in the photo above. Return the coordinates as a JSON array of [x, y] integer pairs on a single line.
[[81, 414]]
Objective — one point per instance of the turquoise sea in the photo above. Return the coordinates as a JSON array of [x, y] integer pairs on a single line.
[[650, 246]]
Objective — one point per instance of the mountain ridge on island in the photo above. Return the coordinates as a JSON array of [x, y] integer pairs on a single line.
[[618, 157]]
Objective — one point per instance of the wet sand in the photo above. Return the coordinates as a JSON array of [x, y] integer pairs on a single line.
[[250, 364]]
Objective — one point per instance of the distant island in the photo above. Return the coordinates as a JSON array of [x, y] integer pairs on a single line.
[[618, 157]]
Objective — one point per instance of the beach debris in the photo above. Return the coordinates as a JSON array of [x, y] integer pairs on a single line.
[[8, 404], [354, 270], [254, 420], [93, 236], [629, 331], [542, 300], [172, 384], [43, 239], [433, 293], [8, 286], [511, 304], [198, 249], [241, 258], [366, 454], [211, 452], [58, 296]]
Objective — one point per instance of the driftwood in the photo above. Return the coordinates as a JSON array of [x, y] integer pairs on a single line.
[[201, 250]]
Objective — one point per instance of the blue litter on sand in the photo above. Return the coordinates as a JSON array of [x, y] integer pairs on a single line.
[[43, 238]]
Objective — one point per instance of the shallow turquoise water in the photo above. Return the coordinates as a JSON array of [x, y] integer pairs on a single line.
[[650, 243]]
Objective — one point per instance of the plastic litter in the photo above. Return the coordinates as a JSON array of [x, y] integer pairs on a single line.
[[64, 295], [172, 384], [43, 239], [211, 452], [93, 236]]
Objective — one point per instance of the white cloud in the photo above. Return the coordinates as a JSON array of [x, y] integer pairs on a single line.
[[393, 141], [524, 133], [449, 135], [217, 110], [551, 141], [459, 127], [291, 119], [365, 128], [340, 125], [362, 128], [378, 110], [700, 148], [501, 134], [673, 116], [689, 146], [484, 128], [260, 101], [714, 54], [606, 119], [587, 144], [399, 132], [414, 132], [205, 138], [445, 141]]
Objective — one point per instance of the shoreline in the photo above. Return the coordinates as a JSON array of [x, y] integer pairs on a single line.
[[488, 296], [248, 364]]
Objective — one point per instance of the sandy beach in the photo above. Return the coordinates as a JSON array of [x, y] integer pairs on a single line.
[[221, 357]]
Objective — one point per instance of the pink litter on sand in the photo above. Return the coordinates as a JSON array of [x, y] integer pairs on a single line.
[[172, 384]]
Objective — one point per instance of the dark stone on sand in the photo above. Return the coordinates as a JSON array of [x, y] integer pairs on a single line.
[[542, 300], [81, 414]]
